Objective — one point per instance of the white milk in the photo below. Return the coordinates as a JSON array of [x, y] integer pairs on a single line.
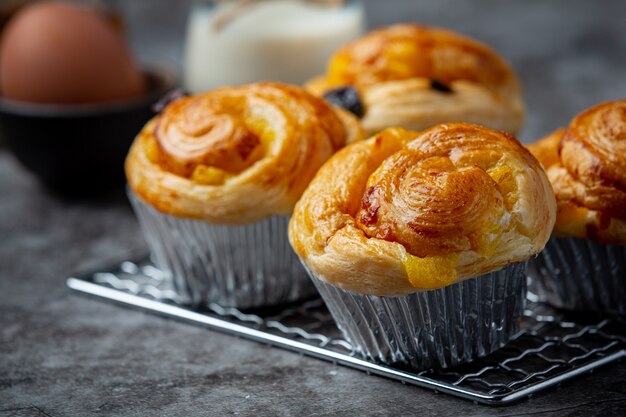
[[278, 40]]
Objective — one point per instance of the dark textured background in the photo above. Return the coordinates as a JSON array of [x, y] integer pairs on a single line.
[[62, 354]]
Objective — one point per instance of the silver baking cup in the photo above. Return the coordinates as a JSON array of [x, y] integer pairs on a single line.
[[243, 266], [437, 328], [580, 274]]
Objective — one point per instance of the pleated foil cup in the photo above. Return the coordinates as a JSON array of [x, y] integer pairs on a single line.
[[243, 266], [432, 329], [580, 274]]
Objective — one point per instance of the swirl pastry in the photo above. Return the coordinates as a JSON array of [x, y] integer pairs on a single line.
[[391, 228], [237, 154], [403, 211], [418, 76], [213, 179], [586, 164], [584, 264]]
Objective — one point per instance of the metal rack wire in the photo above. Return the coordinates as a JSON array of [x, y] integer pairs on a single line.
[[550, 348]]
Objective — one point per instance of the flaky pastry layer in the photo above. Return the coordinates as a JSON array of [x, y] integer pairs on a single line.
[[586, 164], [237, 154], [394, 69], [406, 211]]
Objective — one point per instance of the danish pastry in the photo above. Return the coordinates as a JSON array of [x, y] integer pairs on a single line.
[[583, 266], [213, 179], [416, 76], [403, 211], [237, 154], [391, 230], [586, 164]]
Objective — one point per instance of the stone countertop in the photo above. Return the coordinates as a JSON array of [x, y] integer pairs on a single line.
[[66, 355]]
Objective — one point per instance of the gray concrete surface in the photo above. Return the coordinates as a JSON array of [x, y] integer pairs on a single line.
[[67, 355]]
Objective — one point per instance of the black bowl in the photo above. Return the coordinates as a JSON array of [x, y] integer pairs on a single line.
[[78, 149]]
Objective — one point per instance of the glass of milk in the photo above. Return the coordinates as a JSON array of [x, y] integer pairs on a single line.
[[231, 42]]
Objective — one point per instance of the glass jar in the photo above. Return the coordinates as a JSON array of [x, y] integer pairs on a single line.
[[232, 42]]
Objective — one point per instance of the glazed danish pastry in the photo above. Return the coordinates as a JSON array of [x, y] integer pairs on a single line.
[[237, 154], [586, 164], [405, 211], [418, 76], [213, 179], [583, 266]]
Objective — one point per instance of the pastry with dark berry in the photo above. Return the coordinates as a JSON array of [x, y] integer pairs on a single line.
[[416, 76]]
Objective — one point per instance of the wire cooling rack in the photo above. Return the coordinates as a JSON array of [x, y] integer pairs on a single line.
[[550, 348]]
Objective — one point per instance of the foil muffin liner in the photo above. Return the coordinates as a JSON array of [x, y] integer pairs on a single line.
[[580, 274], [242, 266], [438, 328]]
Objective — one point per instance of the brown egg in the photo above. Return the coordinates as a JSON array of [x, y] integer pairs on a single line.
[[61, 53]]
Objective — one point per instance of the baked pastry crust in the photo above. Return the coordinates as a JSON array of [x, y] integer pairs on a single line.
[[237, 154], [586, 164], [394, 68], [406, 211]]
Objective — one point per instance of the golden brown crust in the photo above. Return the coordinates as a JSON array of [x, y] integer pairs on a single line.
[[393, 69], [586, 165], [236, 154], [546, 150], [405, 211], [405, 51]]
